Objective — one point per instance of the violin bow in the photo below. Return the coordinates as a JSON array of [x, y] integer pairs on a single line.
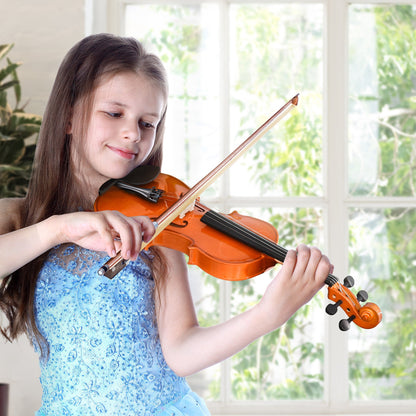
[[117, 263]]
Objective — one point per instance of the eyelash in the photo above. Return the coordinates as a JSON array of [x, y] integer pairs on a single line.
[[147, 125], [144, 124], [114, 115]]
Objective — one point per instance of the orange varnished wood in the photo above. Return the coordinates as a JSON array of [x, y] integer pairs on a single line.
[[213, 251], [367, 316]]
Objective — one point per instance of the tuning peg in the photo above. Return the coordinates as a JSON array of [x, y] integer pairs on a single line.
[[362, 296], [344, 324], [349, 281], [331, 309]]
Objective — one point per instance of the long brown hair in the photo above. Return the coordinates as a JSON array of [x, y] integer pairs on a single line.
[[52, 188]]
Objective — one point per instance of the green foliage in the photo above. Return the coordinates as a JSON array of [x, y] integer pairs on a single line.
[[18, 131], [263, 75], [383, 241], [385, 246], [275, 48], [394, 101]]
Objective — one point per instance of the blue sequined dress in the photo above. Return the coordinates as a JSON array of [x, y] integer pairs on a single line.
[[104, 352]]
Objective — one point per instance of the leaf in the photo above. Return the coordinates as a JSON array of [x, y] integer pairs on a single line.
[[4, 49], [11, 151], [5, 113], [27, 118], [17, 88], [7, 85], [5, 72], [16, 156]]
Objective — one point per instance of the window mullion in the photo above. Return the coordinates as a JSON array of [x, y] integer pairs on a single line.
[[224, 131], [336, 184]]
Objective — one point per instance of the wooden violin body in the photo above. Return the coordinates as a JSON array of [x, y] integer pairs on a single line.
[[227, 246], [213, 251]]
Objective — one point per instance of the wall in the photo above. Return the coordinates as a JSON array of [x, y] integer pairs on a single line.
[[42, 32]]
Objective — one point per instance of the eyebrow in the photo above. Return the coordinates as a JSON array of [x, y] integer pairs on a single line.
[[122, 105], [119, 104]]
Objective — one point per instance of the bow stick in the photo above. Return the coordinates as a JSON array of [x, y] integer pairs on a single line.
[[117, 263]]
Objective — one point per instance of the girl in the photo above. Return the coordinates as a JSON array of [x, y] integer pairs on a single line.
[[120, 346]]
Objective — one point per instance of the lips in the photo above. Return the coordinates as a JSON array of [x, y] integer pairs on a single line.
[[124, 153]]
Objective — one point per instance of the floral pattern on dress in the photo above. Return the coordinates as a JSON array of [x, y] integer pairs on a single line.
[[104, 352]]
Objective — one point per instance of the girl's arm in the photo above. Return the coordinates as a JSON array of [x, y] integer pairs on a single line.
[[107, 231], [189, 348]]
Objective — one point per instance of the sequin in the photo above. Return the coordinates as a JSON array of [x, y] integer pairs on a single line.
[[105, 357]]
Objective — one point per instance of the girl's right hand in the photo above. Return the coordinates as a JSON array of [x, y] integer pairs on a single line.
[[108, 231]]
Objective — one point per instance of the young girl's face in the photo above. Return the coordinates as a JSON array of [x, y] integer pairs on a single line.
[[122, 128]]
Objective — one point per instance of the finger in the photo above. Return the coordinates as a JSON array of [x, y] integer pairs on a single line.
[[323, 269], [132, 231], [120, 231], [144, 230], [303, 253], [289, 264], [128, 233], [315, 257], [102, 227], [147, 226], [131, 237]]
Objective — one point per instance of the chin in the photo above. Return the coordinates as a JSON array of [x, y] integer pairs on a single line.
[[118, 173]]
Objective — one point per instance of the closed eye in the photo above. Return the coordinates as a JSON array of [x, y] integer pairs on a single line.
[[113, 115], [147, 125]]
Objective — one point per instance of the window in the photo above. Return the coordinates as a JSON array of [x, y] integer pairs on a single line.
[[337, 173]]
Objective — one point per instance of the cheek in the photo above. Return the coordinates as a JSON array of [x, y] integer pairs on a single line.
[[83, 148], [147, 145]]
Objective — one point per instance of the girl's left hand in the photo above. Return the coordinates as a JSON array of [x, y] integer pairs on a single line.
[[301, 276]]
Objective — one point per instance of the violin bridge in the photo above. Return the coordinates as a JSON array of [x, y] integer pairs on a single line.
[[190, 208]]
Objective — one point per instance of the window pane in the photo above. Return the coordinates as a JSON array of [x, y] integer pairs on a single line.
[[280, 55], [185, 37], [287, 363], [206, 296], [382, 104], [383, 255], [276, 52]]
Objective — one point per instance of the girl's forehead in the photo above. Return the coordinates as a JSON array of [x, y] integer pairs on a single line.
[[127, 80], [130, 90]]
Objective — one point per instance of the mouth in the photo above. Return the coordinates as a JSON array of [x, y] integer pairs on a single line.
[[124, 153]]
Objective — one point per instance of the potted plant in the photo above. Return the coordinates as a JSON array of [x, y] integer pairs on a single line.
[[18, 132]]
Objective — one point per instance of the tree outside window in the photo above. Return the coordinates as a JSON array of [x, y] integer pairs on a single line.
[[228, 73]]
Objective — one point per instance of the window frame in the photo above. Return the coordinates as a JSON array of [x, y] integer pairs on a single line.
[[107, 16]]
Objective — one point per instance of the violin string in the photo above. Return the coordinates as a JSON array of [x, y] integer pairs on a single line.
[[250, 238], [233, 229], [244, 234]]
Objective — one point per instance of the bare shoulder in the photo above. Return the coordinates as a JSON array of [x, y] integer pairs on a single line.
[[10, 214], [175, 260]]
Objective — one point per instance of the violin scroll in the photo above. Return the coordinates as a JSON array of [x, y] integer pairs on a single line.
[[366, 316]]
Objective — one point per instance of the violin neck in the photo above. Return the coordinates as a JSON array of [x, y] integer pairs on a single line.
[[224, 224]]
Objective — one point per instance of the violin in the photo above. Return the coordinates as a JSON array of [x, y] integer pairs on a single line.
[[227, 246]]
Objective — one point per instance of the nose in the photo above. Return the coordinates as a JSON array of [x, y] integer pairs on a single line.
[[131, 131]]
